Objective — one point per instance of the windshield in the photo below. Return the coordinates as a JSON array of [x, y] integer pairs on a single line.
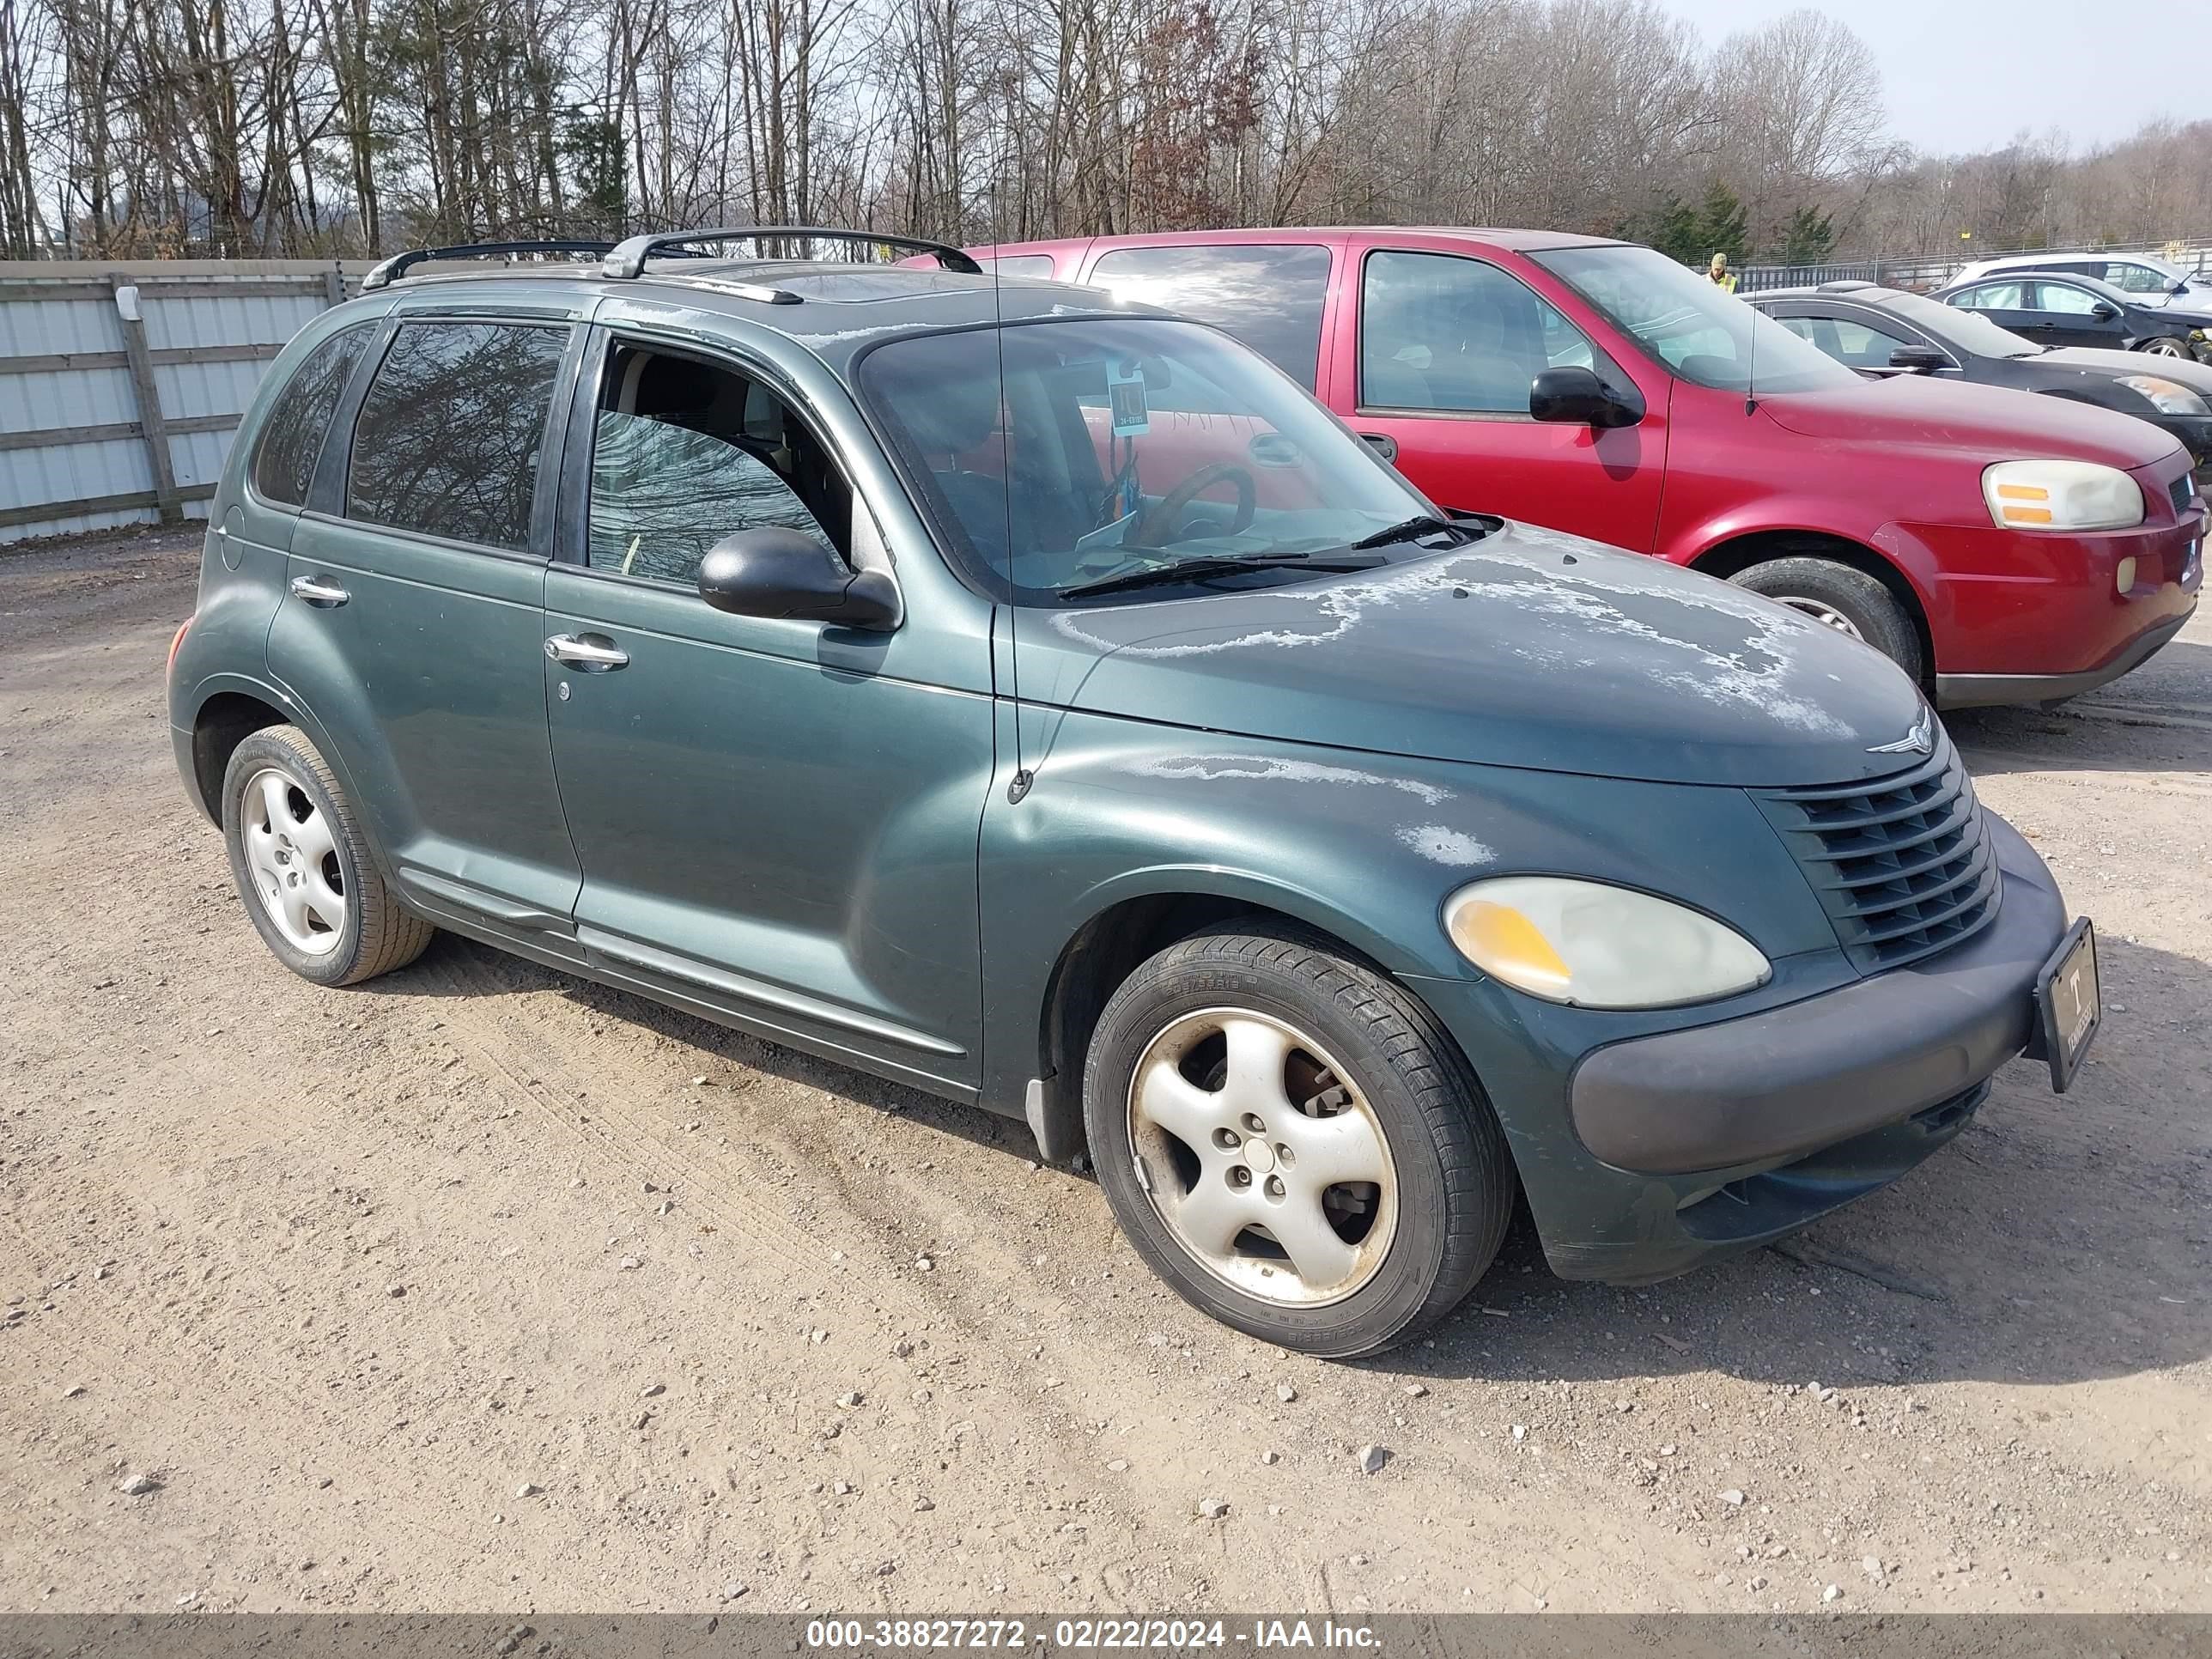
[[1962, 329], [1694, 328], [1122, 447]]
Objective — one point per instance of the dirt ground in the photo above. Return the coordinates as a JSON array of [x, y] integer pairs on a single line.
[[480, 1287]]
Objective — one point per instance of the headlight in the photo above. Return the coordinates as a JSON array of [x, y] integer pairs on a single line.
[[1596, 946], [2060, 495], [2166, 396]]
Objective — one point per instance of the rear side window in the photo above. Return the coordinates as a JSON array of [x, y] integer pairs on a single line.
[[449, 437], [1271, 298], [284, 464], [1020, 264]]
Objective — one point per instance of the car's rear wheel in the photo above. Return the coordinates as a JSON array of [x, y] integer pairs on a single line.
[[303, 869], [2163, 345], [1292, 1143], [1839, 596]]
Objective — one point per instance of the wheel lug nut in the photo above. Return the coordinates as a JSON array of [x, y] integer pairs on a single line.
[[1283, 1155], [1240, 1176], [1227, 1139], [1252, 1123], [1275, 1187]]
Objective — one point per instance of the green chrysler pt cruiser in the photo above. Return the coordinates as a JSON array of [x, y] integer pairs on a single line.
[[1042, 701]]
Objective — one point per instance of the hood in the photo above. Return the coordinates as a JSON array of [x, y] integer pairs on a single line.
[[1528, 649], [2182, 371], [1996, 422]]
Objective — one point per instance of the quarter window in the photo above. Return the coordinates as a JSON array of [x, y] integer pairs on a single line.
[[292, 437], [1269, 296], [685, 453], [450, 435], [1437, 331]]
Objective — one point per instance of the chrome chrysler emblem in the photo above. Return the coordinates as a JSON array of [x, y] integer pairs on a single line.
[[1920, 740]]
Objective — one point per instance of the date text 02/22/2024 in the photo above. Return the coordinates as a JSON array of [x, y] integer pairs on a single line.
[[1084, 1634]]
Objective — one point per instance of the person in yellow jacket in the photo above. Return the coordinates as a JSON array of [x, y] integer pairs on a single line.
[[1720, 276]]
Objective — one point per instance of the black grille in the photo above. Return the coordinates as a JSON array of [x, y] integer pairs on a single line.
[[1903, 865]]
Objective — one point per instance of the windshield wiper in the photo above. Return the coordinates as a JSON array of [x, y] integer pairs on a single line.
[[1196, 569], [1412, 529]]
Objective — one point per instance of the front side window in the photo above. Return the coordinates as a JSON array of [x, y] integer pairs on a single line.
[[1693, 328], [1271, 297], [1849, 341], [450, 434], [1994, 296], [2065, 298], [292, 438], [1438, 331], [2134, 277], [685, 452], [1066, 474]]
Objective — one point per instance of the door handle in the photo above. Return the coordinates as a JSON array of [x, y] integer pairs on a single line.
[[319, 591], [594, 654], [1383, 444]]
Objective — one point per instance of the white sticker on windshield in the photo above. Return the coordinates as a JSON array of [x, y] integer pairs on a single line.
[[1125, 399]]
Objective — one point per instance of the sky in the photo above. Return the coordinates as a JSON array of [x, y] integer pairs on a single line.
[[1967, 75]]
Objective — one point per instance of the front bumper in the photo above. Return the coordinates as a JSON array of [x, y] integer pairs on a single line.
[[1679, 1147], [1982, 690]]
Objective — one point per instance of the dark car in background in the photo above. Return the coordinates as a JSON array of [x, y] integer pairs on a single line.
[[2080, 311], [1886, 331]]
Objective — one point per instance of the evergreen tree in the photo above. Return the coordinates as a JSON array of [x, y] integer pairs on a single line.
[[1675, 233], [1722, 227], [1809, 238]]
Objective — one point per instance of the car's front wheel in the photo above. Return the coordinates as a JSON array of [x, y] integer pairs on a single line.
[[2163, 345], [1292, 1143], [303, 868], [1842, 598]]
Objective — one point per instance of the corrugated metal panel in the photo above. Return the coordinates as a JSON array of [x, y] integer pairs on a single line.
[[32, 328], [59, 400]]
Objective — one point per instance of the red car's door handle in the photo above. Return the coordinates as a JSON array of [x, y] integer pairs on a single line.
[[1382, 443]]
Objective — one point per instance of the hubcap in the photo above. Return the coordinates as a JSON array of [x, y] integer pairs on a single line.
[[2164, 346], [1262, 1157], [294, 860], [1826, 614]]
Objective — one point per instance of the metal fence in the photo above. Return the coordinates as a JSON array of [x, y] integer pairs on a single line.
[[120, 382], [1927, 271]]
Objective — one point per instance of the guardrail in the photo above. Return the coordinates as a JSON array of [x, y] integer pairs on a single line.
[[120, 382]]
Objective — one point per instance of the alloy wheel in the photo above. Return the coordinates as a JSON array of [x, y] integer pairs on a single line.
[[1262, 1157], [1822, 612], [294, 858], [2164, 346]]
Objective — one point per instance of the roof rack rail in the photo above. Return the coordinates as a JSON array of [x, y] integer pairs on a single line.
[[390, 271], [628, 259]]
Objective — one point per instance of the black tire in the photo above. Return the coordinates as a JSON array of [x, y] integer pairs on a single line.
[[1863, 600], [1452, 1175], [378, 933]]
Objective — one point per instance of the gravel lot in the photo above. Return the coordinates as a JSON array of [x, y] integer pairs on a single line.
[[481, 1287]]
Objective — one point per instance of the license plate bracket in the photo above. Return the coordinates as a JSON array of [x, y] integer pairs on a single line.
[[2069, 1005]]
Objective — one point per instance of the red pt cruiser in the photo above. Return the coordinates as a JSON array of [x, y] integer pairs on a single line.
[[2004, 547]]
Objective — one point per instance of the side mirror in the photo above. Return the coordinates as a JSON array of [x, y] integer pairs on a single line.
[[1576, 397], [2104, 311], [1919, 358], [775, 572]]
